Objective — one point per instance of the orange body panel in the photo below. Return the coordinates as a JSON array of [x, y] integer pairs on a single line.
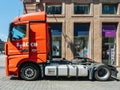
[[33, 47], [30, 17]]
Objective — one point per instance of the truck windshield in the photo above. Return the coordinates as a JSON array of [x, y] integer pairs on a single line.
[[17, 32]]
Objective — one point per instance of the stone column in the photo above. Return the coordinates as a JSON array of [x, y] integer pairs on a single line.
[[69, 32], [118, 45], [97, 34]]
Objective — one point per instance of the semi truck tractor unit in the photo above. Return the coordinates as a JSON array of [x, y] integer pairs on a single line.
[[28, 52]]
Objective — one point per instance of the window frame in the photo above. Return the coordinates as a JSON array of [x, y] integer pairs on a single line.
[[83, 39], [56, 38], [11, 29], [115, 7], [76, 4], [54, 6]]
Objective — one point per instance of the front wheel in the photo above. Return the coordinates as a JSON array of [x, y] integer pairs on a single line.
[[29, 72], [102, 73]]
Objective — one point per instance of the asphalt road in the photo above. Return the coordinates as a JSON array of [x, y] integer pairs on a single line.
[[12, 83]]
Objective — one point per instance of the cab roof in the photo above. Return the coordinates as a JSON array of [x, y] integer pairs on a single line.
[[31, 17]]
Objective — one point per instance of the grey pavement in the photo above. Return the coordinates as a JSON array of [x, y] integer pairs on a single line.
[[10, 83], [118, 75]]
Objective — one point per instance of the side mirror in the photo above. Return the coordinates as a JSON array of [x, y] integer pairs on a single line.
[[6, 49]]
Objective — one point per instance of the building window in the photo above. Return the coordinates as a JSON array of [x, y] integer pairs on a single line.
[[109, 8], [109, 43], [81, 9], [54, 9], [56, 32], [81, 36]]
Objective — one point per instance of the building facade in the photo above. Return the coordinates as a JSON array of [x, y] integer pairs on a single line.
[[85, 28]]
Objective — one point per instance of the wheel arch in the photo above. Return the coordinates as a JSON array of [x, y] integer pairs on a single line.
[[93, 69], [24, 63], [106, 76]]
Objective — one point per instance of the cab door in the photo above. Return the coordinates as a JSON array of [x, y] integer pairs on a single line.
[[17, 47], [18, 40]]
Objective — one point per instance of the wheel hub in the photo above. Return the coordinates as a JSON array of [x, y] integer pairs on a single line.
[[103, 73], [29, 72]]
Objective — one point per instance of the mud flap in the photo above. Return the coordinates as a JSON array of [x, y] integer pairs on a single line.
[[91, 73]]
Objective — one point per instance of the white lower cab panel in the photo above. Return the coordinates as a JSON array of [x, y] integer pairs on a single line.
[[66, 70]]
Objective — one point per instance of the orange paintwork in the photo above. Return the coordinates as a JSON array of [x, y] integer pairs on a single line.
[[37, 35], [30, 17]]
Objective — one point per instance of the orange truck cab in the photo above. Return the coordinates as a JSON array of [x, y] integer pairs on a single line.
[[29, 46], [28, 41]]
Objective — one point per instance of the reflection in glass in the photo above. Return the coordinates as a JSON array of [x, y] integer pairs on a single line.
[[56, 32], [54, 9], [81, 36], [17, 32], [109, 8], [109, 43], [81, 9]]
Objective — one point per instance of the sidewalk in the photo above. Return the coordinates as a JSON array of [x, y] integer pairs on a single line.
[[2, 60], [118, 75]]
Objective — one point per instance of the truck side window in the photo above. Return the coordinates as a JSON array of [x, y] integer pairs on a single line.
[[17, 32]]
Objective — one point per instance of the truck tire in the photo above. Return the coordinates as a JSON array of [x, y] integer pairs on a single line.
[[102, 73], [29, 72]]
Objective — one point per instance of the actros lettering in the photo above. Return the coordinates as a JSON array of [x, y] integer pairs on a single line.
[[26, 44]]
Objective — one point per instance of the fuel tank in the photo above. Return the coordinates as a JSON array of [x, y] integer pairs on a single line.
[[66, 70]]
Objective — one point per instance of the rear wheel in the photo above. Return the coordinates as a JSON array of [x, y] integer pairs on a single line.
[[102, 73], [29, 72]]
